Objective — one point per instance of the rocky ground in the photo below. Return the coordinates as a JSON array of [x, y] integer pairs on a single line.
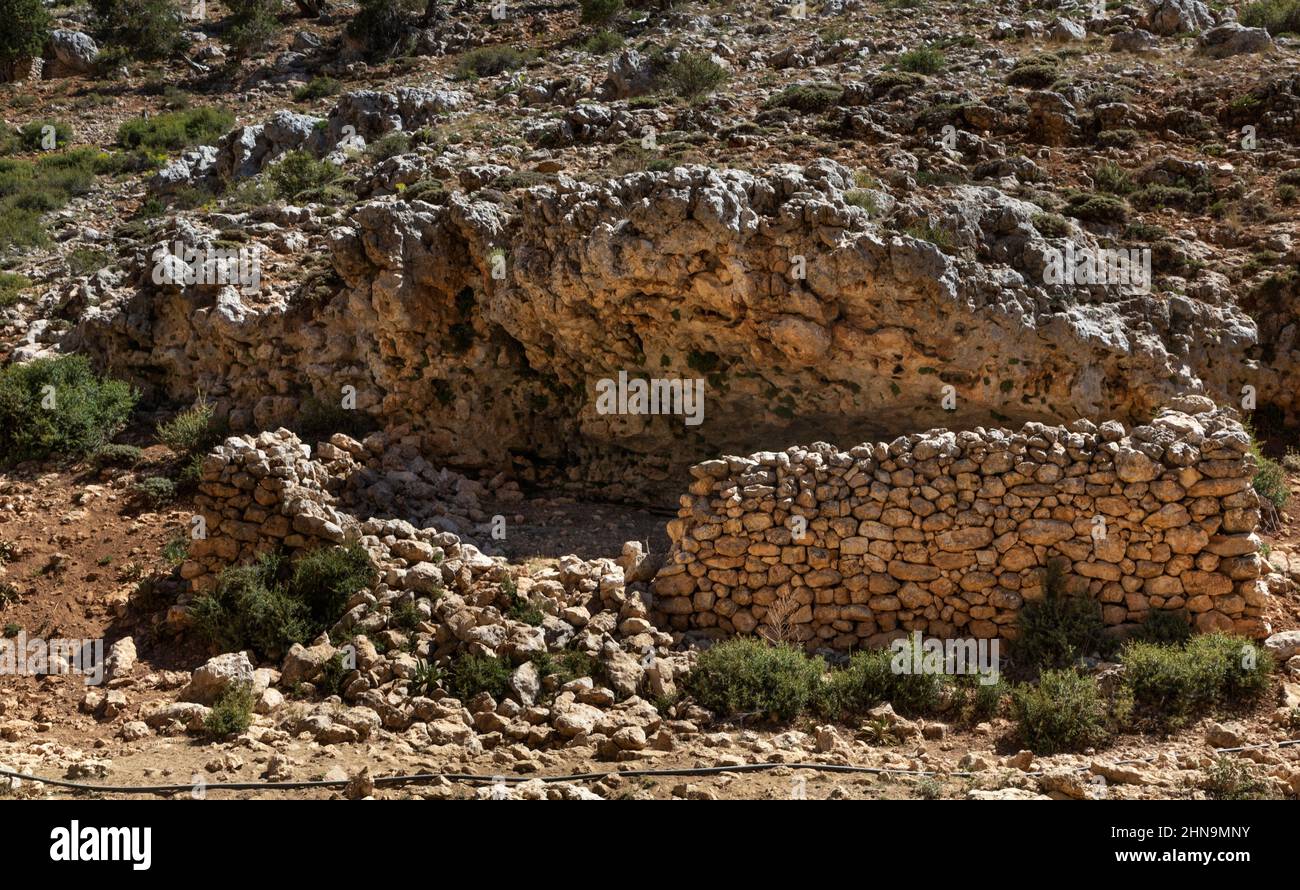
[[857, 217]]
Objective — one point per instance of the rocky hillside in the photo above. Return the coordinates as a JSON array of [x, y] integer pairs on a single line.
[[321, 327]]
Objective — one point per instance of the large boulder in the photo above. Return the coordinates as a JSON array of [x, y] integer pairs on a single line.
[[1233, 39], [216, 676], [70, 52]]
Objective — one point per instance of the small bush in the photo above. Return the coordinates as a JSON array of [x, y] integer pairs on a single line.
[[694, 75], [1231, 778], [1035, 72], [112, 455], [1063, 712], [26, 26], [232, 713], [745, 676], [11, 287], [175, 130], [31, 188], [1111, 177], [380, 26], [426, 679], [1276, 16], [602, 42], [1270, 477], [569, 666], [156, 491], [143, 29], [807, 98], [869, 680], [387, 146], [472, 674], [487, 61], [922, 60], [1097, 208], [1172, 684], [326, 578], [317, 88], [193, 431], [1166, 626], [256, 606], [59, 406], [599, 12], [864, 198], [298, 172], [253, 25], [1058, 629]]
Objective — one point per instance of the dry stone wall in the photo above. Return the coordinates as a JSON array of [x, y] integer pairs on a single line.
[[950, 533]]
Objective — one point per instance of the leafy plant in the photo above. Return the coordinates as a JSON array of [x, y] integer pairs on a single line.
[[232, 713], [746, 676], [1063, 712], [473, 674], [59, 406], [1057, 630]]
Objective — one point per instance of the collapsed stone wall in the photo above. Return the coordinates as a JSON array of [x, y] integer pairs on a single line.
[[950, 533]]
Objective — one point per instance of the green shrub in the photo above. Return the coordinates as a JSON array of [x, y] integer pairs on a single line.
[[746, 676], [487, 61], [388, 145], [1063, 712], [193, 431], [864, 198], [144, 29], [11, 287], [922, 60], [472, 674], [26, 26], [59, 406], [1277, 16], [253, 25], [256, 606], [1172, 684], [112, 455], [175, 130], [249, 608], [1055, 631], [1035, 72], [380, 26], [34, 136], [602, 42], [569, 666], [156, 491], [232, 713], [1097, 208], [1231, 778], [317, 88], [694, 75], [1166, 626], [869, 680], [1111, 177], [807, 98], [298, 171], [31, 188], [598, 12], [1270, 477], [326, 578]]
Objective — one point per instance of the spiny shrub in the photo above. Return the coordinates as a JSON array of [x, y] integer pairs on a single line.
[[694, 75], [472, 674], [746, 676], [326, 578], [380, 26], [1166, 626], [317, 88], [145, 29], [1172, 684], [487, 61], [268, 606], [1057, 630], [59, 406], [922, 60], [1270, 477], [1063, 712], [871, 678], [598, 12], [298, 172], [253, 24], [569, 665], [807, 98], [193, 431], [155, 491], [232, 713], [175, 130]]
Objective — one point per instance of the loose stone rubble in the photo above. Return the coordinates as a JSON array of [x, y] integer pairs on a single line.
[[949, 532]]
